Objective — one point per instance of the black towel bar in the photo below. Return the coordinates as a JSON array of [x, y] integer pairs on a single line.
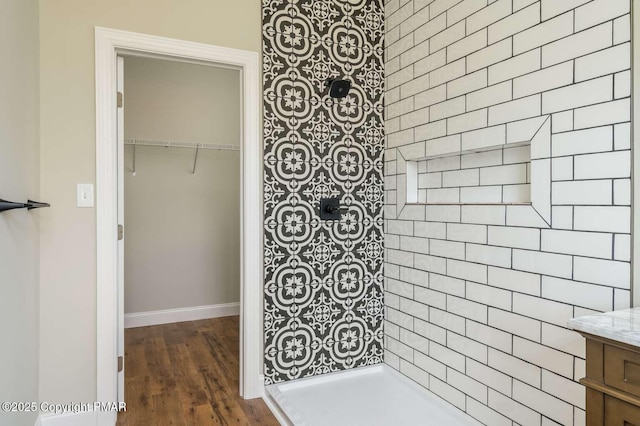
[[30, 204]]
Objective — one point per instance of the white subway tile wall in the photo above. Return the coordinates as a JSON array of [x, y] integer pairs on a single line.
[[478, 296]]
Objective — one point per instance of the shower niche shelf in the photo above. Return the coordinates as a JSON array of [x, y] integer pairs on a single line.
[[504, 165]]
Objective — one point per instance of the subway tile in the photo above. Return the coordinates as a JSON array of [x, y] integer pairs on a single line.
[[521, 414], [565, 389], [430, 365], [447, 37], [463, 9], [524, 216], [484, 215], [502, 175], [448, 249], [415, 341], [430, 331], [430, 97], [414, 276], [577, 45], [400, 349], [443, 213], [525, 238], [447, 356], [430, 297], [593, 244], [490, 14], [551, 8], [467, 347], [429, 63], [467, 309], [578, 95], [542, 309], [622, 247], [467, 385], [604, 62], [399, 318], [414, 373], [457, 178], [599, 11], [602, 114], [488, 137], [481, 159], [489, 255], [481, 194], [515, 324], [485, 414], [447, 320], [622, 29], [430, 229], [467, 233], [514, 367], [543, 403], [562, 168], [590, 296], [515, 110], [622, 136], [548, 31], [487, 375], [400, 227], [622, 85], [489, 336], [446, 284], [543, 356], [546, 79], [557, 265], [448, 108], [490, 55], [562, 121], [466, 122], [604, 272], [489, 296], [414, 244], [515, 23], [467, 271], [514, 67], [492, 95], [586, 192], [562, 217], [434, 26], [468, 83], [448, 393], [430, 263], [604, 165], [598, 139], [467, 45], [415, 20], [564, 340]]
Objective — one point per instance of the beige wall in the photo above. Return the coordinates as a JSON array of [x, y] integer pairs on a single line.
[[68, 267], [19, 233], [182, 246]]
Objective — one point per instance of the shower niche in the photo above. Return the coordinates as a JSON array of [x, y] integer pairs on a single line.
[[509, 165]]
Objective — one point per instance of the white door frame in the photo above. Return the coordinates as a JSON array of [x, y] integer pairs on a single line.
[[109, 43]]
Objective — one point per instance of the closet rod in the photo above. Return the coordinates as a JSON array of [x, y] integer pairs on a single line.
[[180, 144]]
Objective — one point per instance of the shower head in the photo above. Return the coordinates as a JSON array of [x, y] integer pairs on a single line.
[[338, 88]]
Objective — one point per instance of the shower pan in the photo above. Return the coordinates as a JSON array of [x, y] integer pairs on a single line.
[[369, 396]]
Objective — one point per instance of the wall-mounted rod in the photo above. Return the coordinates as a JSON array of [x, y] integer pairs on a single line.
[[29, 205], [195, 160], [180, 144]]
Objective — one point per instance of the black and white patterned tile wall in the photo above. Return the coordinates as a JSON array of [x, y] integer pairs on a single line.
[[323, 279]]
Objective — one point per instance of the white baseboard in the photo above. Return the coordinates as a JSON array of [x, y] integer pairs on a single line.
[[166, 316], [68, 419]]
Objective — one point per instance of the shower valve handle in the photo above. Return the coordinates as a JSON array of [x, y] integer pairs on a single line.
[[334, 208]]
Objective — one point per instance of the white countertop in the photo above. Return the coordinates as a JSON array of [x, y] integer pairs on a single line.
[[621, 326]]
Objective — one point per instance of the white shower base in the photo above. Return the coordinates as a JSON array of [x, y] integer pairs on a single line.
[[368, 396]]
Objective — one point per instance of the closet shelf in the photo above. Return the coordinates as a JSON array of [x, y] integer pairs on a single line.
[[179, 144]]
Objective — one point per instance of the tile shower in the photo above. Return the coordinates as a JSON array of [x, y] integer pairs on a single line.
[[507, 194], [323, 279]]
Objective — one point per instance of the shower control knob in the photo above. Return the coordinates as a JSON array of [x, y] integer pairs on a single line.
[[330, 209]]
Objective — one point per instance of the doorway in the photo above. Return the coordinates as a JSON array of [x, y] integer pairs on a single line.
[[110, 165]]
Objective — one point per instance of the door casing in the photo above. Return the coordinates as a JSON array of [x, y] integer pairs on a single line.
[[109, 44]]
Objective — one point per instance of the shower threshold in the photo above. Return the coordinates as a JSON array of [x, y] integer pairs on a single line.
[[368, 396]]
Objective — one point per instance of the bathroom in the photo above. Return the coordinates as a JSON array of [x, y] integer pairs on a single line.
[[434, 214]]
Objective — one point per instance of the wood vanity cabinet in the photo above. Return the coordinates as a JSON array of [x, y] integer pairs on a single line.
[[612, 382]]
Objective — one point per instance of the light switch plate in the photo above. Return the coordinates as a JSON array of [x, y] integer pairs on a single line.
[[84, 195]]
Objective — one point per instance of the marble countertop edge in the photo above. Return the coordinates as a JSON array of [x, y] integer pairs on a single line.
[[621, 326]]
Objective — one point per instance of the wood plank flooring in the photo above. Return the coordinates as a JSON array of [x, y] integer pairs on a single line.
[[187, 374]]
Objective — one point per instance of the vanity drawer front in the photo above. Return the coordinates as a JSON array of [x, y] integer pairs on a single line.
[[622, 369], [619, 413]]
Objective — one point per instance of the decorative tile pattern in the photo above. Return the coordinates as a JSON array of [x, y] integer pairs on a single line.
[[323, 280]]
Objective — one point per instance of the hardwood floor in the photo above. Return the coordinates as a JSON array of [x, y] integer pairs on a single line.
[[187, 374]]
